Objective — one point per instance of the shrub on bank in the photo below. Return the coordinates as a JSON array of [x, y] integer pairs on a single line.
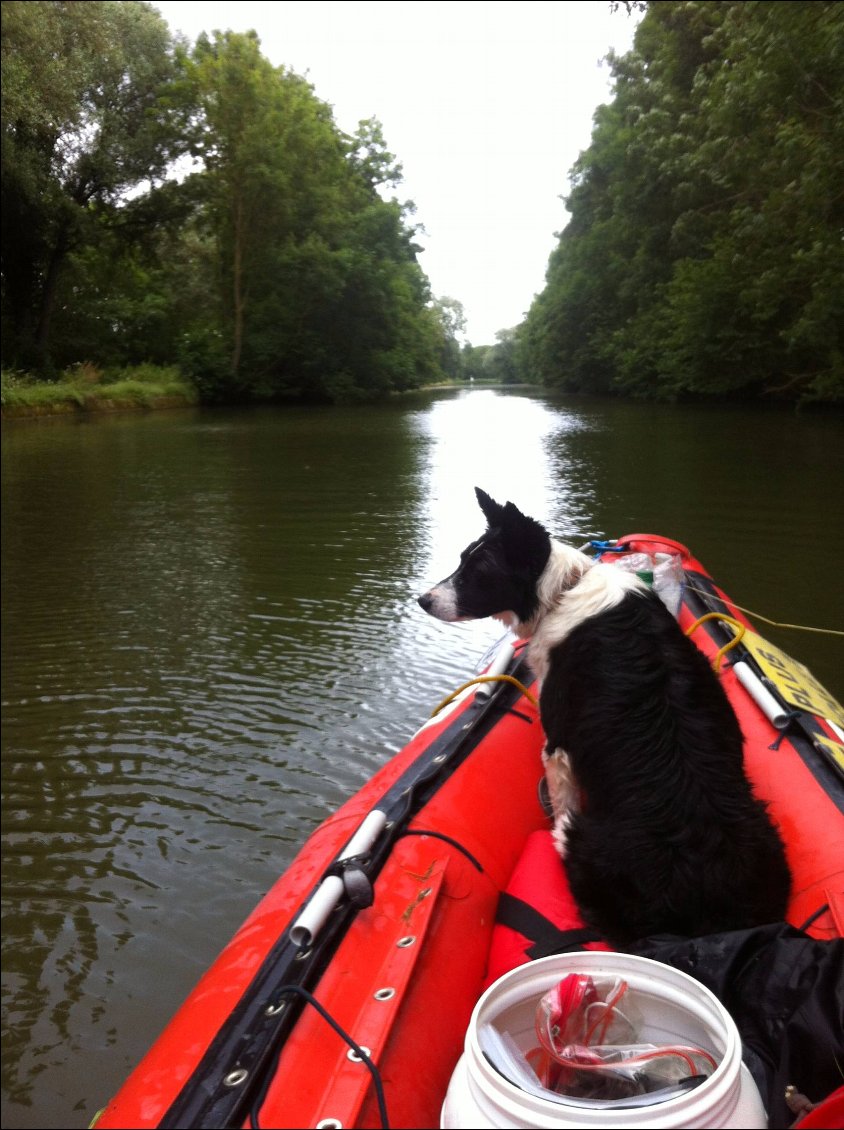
[[87, 387]]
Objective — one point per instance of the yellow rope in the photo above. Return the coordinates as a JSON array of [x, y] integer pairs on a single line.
[[773, 623], [722, 651], [716, 662], [486, 679]]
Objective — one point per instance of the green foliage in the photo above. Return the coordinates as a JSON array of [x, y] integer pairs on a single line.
[[87, 387], [451, 319], [704, 253], [495, 364], [277, 268], [703, 256], [318, 293], [83, 123]]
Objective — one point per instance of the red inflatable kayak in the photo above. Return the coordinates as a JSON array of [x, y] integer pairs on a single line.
[[344, 998]]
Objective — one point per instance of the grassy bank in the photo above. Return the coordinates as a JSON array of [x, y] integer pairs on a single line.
[[84, 388]]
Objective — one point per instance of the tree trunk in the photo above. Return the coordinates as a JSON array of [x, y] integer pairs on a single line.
[[237, 286], [48, 296]]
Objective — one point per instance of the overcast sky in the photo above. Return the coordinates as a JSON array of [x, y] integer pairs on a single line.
[[486, 105]]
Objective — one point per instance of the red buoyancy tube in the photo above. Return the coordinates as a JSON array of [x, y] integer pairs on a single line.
[[537, 913]]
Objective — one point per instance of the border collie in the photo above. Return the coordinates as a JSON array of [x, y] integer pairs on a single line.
[[653, 814]]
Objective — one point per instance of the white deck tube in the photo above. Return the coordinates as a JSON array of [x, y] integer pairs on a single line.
[[499, 665], [776, 714], [328, 894]]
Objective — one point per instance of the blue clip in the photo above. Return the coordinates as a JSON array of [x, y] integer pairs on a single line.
[[607, 547]]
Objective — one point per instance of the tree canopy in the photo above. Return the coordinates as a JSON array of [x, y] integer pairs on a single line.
[[83, 123], [196, 205], [704, 254], [162, 203]]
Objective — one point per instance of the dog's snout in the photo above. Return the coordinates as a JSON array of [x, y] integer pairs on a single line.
[[425, 601]]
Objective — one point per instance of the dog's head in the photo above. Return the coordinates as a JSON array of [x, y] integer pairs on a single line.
[[498, 574]]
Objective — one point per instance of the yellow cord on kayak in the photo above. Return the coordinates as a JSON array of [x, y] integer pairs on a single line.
[[722, 651], [486, 679], [773, 623]]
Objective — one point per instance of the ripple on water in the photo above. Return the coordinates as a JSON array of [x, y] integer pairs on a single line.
[[210, 640]]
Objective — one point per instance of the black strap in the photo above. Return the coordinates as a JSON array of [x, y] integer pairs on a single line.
[[812, 917], [546, 937], [356, 883]]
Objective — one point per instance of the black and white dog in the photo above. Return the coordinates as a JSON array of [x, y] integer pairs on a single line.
[[654, 816]]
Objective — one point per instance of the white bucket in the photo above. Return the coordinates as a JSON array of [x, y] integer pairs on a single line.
[[677, 1010]]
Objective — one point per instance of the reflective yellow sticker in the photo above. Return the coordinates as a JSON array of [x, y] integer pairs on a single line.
[[796, 683], [830, 748]]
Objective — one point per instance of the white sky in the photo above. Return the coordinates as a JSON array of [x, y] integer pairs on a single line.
[[486, 105]]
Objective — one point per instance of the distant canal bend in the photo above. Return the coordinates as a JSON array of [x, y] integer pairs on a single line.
[[210, 639]]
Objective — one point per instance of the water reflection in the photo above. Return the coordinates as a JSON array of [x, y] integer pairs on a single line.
[[499, 442]]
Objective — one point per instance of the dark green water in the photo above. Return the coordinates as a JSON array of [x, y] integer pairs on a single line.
[[210, 640]]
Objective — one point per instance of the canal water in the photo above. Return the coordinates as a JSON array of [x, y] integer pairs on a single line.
[[210, 640]]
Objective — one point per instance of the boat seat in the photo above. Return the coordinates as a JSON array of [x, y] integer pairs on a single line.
[[537, 914]]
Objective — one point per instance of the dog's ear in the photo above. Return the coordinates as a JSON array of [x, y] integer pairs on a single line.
[[493, 512], [526, 541]]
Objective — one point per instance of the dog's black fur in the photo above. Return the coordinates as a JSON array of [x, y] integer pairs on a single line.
[[656, 820]]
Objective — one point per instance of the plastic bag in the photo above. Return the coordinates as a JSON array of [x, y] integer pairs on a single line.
[[583, 1010], [587, 1030], [663, 571]]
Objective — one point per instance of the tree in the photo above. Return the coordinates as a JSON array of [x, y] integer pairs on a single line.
[[281, 266], [85, 121], [501, 363], [452, 323], [321, 295], [375, 165], [703, 255]]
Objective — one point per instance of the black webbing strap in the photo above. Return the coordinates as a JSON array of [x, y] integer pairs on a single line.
[[546, 937]]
